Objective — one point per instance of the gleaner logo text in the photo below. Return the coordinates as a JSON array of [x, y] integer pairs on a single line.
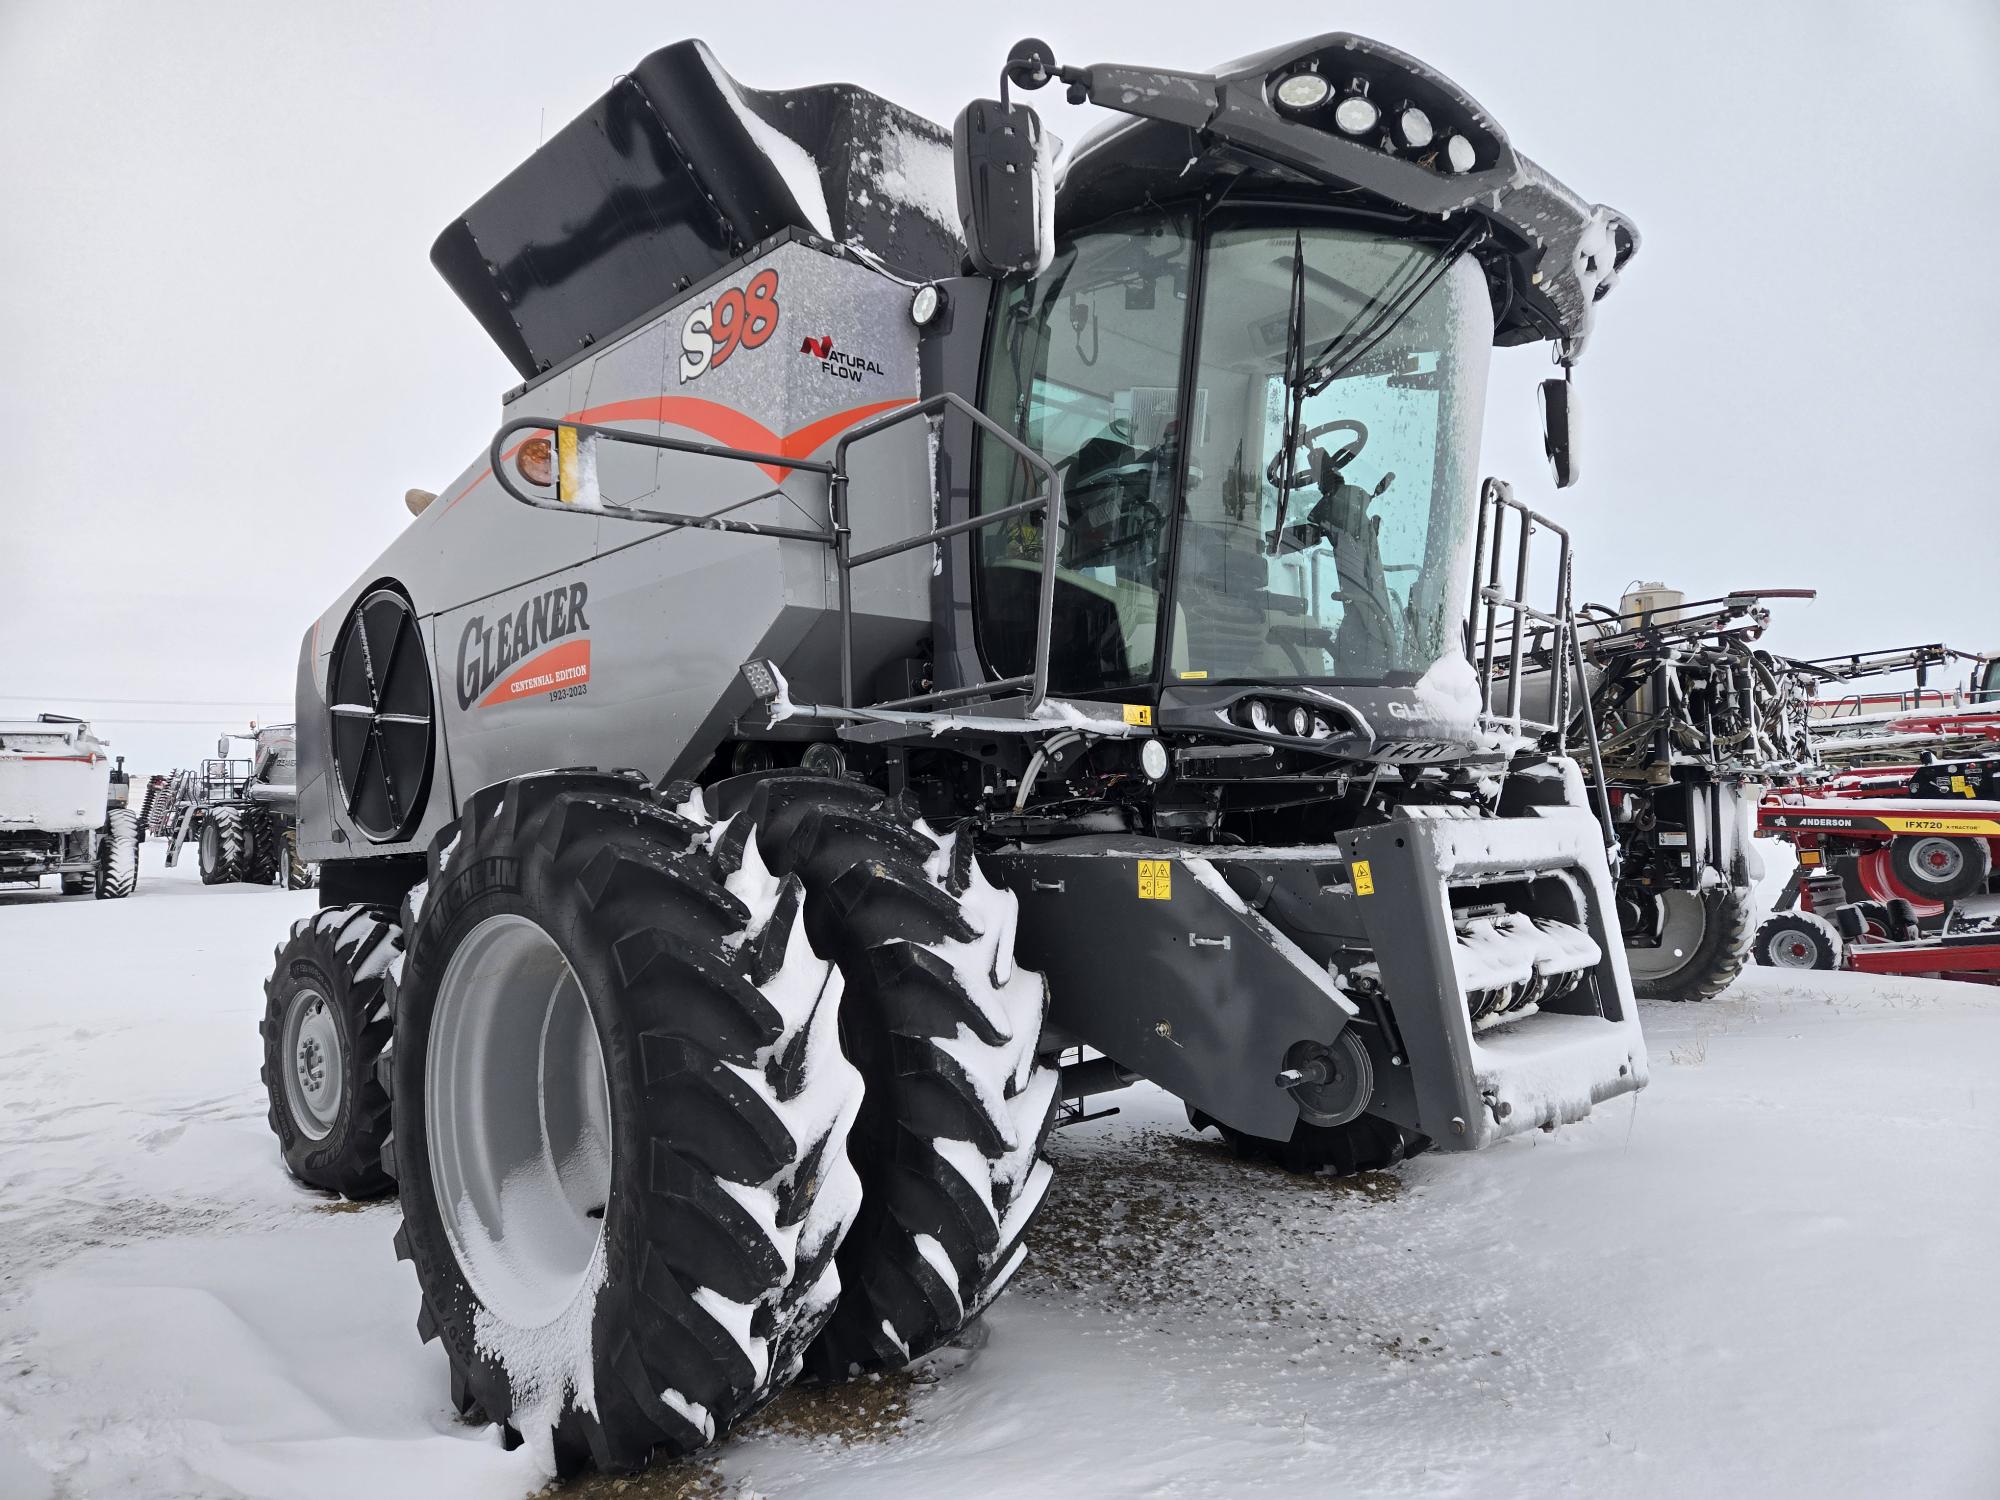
[[507, 660]]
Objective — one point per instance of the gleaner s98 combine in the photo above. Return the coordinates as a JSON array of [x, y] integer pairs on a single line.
[[1022, 629]]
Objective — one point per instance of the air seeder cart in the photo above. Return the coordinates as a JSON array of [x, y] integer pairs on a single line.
[[240, 811], [1022, 629], [62, 809]]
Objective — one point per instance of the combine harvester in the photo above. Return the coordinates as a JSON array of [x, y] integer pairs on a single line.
[[1898, 846], [1021, 622]]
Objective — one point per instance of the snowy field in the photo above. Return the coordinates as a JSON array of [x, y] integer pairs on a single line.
[[1776, 1273]]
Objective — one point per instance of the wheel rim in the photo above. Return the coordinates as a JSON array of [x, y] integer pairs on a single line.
[[1939, 860], [518, 1114], [211, 848], [1794, 950], [316, 1064], [1684, 921]]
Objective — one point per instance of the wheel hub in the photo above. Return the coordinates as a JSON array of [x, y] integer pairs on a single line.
[[317, 1082], [518, 1114]]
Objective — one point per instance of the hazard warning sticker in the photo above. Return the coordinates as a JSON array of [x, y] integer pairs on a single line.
[[1156, 880]]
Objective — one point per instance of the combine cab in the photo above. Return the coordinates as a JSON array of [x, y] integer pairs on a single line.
[[1004, 635]]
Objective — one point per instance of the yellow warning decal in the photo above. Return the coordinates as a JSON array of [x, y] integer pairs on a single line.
[[1364, 878], [1963, 787], [569, 480], [1139, 713], [1987, 826], [1156, 880]]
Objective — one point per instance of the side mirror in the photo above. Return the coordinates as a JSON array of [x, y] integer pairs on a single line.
[[1559, 429], [222, 748], [1006, 192]]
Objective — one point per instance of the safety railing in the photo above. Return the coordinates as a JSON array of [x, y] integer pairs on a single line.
[[1532, 639], [838, 534]]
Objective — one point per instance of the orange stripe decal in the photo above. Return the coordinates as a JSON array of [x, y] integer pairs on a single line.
[[718, 423], [559, 666]]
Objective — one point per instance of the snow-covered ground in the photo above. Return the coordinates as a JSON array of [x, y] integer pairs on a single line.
[[1774, 1273]]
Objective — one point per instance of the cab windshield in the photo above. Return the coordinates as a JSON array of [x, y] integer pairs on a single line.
[[1200, 545]]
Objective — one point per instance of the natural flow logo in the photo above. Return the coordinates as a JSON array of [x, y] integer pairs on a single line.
[[837, 363], [516, 656]]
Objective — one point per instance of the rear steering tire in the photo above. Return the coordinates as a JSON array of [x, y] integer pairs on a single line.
[[326, 1021], [944, 1028], [616, 1054]]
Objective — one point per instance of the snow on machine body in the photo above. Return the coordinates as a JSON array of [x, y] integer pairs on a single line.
[[62, 809], [942, 566], [1899, 841]]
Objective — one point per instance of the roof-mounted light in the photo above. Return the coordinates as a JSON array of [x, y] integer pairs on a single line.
[[1304, 91], [1413, 126], [1458, 151], [1356, 115]]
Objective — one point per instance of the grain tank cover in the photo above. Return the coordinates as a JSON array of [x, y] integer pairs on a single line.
[[673, 174]]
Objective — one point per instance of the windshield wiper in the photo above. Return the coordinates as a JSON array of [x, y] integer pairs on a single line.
[[1389, 310], [1295, 382]]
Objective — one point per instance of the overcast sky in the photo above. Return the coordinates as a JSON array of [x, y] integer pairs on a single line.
[[224, 354]]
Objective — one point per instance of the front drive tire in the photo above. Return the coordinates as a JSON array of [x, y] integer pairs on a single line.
[[326, 1021], [118, 855], [944, 1028], [625, 1222], [1711, 931], [1798, 940]]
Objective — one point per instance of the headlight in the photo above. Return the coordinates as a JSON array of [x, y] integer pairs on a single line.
[[1458, 151], [1356, 115], [1414, 126], [1304, 91], [1260, 717]]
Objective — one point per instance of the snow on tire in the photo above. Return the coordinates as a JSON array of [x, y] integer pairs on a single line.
[[944, 1028], [223, 846], [620, 1120], [326, 1021], [118, 855]]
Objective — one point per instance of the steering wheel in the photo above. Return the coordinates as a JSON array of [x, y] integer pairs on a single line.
[[1338, 460], [1143, 528]]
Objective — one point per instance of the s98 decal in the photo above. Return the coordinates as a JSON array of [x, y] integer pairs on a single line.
[[739, 318]]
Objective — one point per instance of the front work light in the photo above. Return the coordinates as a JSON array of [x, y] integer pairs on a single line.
[[1304, 91], [1356, 115], [1458, 151], [1415, 128]]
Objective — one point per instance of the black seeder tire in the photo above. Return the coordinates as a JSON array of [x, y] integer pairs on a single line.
[[117, 855], [78, 885], [944, 1030], [1367, 1143], [1710, 961], [1932, 867], [222, 846], [644, 1054], [263, 848], [326, 1021], [1798, 940], [300, 875]]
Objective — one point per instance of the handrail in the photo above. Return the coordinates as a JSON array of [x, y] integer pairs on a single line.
[[839, 533]]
